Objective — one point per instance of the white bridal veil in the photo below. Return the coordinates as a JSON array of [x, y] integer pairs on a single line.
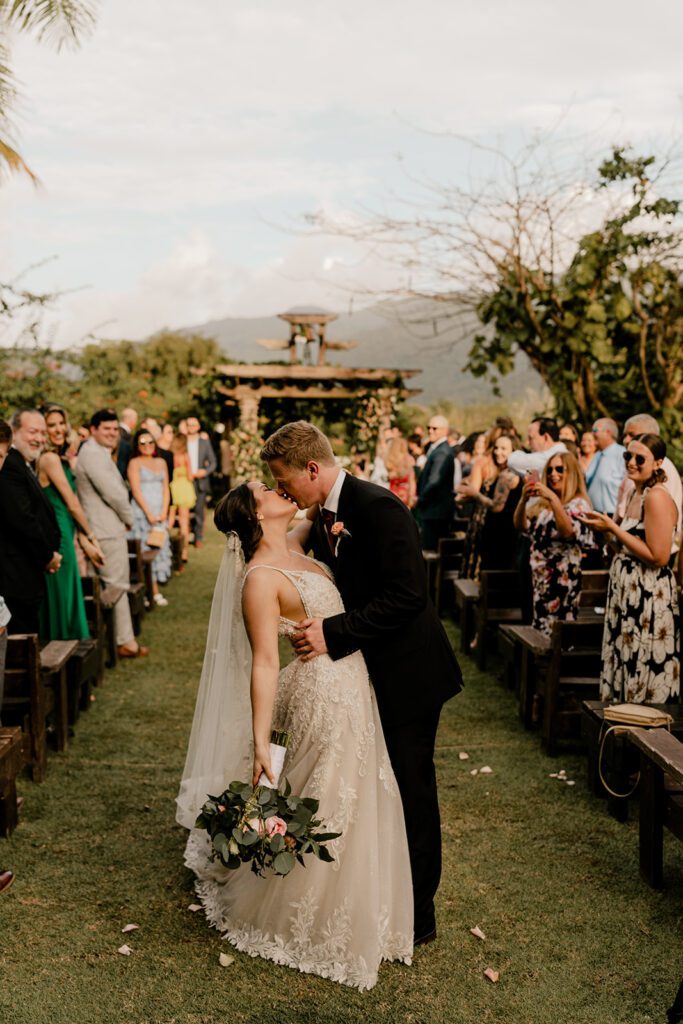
[[220, 741]]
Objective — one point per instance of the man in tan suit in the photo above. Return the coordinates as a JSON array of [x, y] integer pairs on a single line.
[[105, 500]]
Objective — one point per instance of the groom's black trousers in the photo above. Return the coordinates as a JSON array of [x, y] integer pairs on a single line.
[[411, 749]]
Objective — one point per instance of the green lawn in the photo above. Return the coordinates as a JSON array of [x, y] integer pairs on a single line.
[[551, 880]]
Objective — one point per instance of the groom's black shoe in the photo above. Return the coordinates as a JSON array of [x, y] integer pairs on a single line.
[[423, 940]]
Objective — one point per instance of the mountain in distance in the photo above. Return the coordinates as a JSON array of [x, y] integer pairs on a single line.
[[386, 339]]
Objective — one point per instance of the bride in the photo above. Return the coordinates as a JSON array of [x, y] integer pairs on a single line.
[[338, 920]]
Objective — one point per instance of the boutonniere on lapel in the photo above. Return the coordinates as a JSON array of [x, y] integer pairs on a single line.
[[338, 530]]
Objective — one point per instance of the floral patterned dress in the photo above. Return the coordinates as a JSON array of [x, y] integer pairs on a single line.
[[641, 642], [556, 565]]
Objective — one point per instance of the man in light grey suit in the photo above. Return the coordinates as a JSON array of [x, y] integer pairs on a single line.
[[105, 500], [203, 462]]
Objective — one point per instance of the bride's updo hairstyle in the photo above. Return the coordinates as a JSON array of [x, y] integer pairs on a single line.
[[658, 448], [237, 512]]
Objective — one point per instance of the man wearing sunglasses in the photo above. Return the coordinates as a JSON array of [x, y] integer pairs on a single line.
[[607, 470]]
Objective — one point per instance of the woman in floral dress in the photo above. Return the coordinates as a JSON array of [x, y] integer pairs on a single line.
[[641, 643], [552, 512]]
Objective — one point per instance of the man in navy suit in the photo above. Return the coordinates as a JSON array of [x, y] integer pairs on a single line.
[[435, 486]]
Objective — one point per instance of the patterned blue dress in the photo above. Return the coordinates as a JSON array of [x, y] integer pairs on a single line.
[[152, 487]]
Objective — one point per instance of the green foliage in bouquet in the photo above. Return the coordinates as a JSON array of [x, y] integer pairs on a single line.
[[267, 828]]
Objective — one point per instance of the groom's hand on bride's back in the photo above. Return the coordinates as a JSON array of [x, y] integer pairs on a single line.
[[309, 642]]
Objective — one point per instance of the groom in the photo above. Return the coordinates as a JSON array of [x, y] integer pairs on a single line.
[[369, 539]]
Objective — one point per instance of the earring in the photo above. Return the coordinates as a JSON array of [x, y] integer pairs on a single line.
[[260, 516]]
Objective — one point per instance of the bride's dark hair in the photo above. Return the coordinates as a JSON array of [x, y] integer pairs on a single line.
[[237, 512]]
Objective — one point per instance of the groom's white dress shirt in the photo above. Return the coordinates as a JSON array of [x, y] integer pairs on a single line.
[[332, 500]]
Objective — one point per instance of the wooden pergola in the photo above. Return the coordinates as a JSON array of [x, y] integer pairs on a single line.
[[247, 385]]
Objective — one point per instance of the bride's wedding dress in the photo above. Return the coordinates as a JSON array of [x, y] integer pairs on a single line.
[[337, 920]]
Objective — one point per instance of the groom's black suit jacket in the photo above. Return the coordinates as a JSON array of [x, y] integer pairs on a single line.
[[389, 617]]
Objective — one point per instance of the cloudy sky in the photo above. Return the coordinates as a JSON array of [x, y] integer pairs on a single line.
[[181, 145]]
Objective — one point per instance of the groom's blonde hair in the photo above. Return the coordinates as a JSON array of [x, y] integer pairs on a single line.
[[297, 444]]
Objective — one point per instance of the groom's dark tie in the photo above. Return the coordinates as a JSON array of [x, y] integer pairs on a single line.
[[328, 519]]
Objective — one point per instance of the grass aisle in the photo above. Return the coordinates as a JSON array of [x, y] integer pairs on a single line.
[[551, 880]]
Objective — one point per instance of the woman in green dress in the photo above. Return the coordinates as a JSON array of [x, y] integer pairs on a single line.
[[63, 612]]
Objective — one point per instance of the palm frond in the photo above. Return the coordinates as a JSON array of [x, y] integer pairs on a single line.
[[14, 163], [57, 21], [8, 90]]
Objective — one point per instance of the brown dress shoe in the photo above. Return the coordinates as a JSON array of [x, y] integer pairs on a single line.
[[132, 652], [6, 879]]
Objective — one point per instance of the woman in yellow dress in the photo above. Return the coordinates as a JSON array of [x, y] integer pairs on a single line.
[[183, 497]]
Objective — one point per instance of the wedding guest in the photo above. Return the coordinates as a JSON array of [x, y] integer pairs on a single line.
[[641, 643], [435, 486], [587, 450], [183, 495], [161, 452], [476, 491], [149, 487], [124, 452], [643, 423], [203, 463], [606, 470], [543, 441], [105, 500], [63, 614], [28, 525], [497, 542], [552, 512], [569, 433], [5, 440], [401, 471]]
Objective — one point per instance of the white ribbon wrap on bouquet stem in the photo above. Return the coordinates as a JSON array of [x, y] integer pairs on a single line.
[[277, 762]]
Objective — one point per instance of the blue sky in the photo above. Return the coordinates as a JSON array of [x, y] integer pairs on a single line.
[[180, 145]]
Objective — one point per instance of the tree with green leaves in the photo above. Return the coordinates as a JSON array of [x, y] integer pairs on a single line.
[[59, 22]]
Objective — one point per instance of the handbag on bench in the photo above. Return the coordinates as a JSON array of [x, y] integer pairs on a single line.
[[621, 718]]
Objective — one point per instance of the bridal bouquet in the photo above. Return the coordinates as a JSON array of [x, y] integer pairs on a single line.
[[268, 828]]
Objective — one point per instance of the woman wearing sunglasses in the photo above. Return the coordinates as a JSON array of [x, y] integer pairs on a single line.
[[640, 650], [552, 511], [148, 479]]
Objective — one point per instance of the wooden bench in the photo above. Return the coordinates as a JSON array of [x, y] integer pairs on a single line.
[[54, 658], [500, 603], [11, 763], [177, 552], [466, 596], [526, 652], [572, 675], [26, 701], [593, 594], [147, 560], [95, 614], [619, 760], [431, 561], [448, 569], [136, 591], [661, 797]]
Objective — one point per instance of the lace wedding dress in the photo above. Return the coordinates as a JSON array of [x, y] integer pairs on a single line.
[[338, 920]]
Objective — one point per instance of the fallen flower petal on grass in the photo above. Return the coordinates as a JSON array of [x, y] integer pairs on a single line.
[[130, 928], [477, 932], [570, 782], [486, 770], [124, 950], [194, 907], [225, 960], [491, 974], [553, 775], [463, 756], [475, 771]]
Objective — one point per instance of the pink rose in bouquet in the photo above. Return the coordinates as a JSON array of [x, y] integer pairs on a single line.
[[275, 826]]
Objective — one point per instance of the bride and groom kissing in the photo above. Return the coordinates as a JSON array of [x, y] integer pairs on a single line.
[[358, 612]]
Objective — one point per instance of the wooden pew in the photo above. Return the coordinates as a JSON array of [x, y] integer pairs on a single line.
[[147, 559], [448, 569], [572, 675], [26, 701], [466, 597], [661, 797], [109, 597], [526, 653], [500, 603], [431, 561], [54, 658], [136, 590], [11, 763], [593, 593], [95, 614]]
